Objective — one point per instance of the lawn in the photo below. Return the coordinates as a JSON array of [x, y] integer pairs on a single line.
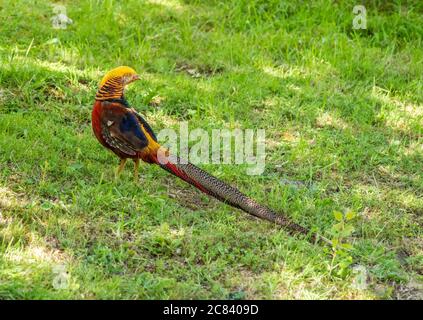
[[343, 115]]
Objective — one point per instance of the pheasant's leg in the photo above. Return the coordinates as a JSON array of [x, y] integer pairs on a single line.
[[120, 168], [136, 166]]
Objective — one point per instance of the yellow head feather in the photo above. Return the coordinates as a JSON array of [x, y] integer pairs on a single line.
[[118, 72]]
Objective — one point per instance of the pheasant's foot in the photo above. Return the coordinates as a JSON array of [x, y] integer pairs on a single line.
[[120, 168]]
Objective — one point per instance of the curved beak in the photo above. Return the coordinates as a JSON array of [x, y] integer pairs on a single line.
[[135, 77]]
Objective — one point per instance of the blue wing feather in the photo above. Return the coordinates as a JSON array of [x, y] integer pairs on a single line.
[[130, 124], [122, 130]]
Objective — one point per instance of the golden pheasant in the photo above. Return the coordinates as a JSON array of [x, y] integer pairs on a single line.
[[120, 128]]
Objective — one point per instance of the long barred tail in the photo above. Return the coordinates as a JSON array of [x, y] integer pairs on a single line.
[[225, 193]]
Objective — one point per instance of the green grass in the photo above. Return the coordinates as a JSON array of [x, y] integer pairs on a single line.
[[342, 110]]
